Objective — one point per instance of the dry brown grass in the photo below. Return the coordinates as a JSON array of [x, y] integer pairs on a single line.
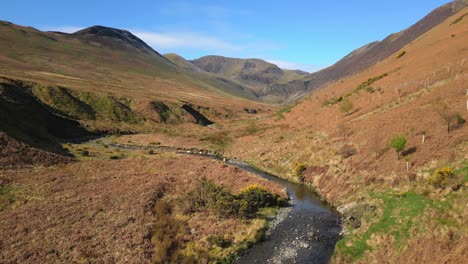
[[433, 67], [101, 210]]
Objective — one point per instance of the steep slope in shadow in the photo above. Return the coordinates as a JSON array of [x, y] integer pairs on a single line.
[[24, 118]]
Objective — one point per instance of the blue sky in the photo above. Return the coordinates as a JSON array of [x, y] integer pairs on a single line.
[[307, 35]]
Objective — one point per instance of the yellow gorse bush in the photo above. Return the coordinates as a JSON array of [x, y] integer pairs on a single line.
[[440, 177], [252, 188]]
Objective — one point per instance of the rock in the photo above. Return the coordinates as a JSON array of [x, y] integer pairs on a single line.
[[250, 111]]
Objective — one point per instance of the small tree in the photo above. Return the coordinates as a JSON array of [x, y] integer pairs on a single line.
[[447, 115], [398, 143], [343, 129], [345, 106]]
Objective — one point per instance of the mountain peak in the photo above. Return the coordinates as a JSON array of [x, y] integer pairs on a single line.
[[96, 32]]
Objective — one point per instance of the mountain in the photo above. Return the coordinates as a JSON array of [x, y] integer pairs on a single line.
[[56, 86], [114, 38], [265, 79], [101, 59], [374, 52], [225, 84]]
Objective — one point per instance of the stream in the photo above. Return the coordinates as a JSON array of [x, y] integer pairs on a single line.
[[305, 232]]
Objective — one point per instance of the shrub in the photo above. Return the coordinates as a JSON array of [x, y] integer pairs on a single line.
[[369, 82], [447, 114], [247, 202], [440, 177], [401, 54], [370, 89], [219, 241], [398, 143], [257, 197], [332, 101], [458, 19], [299, 170], [151, 152], [459, 119], [114, 157], [208, 194], [85, 153], [345, 106]]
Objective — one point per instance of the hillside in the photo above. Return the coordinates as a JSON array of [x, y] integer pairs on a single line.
[[374, 52], [340, 137], [268, 81], [99, 59], [106, 79]]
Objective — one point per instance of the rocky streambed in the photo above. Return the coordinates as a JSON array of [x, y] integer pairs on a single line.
[[306, 232]]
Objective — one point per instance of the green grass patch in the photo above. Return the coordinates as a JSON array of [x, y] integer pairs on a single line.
[[85, 106], [280, 113], [400, 214], [363, 85], [463, 171], [9, 195]]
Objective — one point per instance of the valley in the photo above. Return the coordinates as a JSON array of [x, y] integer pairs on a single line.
[[111, 152]]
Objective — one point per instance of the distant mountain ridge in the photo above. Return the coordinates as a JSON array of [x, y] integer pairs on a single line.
[[117, 52], [269, 81], [264, 78], [370, 54]]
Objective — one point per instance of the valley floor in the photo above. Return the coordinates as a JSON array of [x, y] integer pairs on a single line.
[[104, 210]]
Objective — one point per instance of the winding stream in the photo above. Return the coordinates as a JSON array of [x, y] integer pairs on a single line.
[[306, 232]]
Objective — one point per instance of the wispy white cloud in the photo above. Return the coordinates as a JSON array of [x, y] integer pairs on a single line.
[[159, 40], [165, 41], [290, 65], [66, 29]]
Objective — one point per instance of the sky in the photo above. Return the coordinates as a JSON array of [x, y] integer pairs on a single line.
[[295, 34]]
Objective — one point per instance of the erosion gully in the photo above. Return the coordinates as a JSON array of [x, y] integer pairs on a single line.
[[305, 232]]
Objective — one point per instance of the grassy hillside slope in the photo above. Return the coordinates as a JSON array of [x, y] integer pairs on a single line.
[[341, 135], [374, 52], [98, 59]]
